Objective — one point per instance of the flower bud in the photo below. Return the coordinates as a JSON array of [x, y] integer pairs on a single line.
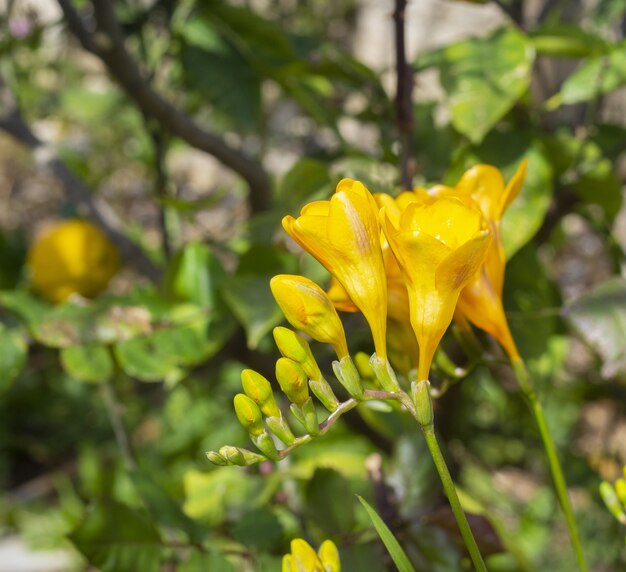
[[423, 402], [607, 492], [308, 309], [293, 346], [292, 379], [307, 416], [266, 445], [620, 490], [348, 376], [216, 458], [239, 456], [322, 390], [259, 389], [280, 428], [304, 557], [249, 414]]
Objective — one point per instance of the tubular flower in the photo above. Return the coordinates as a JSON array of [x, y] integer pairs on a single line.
[[304, 559], [343, 234], [308, 309], [439, 247], [481, 300]]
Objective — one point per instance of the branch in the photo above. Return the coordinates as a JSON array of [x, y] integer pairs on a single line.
[[108, 45], [98, 210], [404, 101]]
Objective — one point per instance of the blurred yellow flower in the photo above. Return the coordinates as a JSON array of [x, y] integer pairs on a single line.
[[481, 300], [71, 257], [343, 234], [308, 309], [304, 559], [439, 245]]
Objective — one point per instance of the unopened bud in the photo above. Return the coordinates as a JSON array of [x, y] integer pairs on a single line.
[[249, 414], [293, 346], [259, 389], [620, 490], [329, 555], [292, 379], [241, 457], [308, 309], [304, 557], [216, 458], [307, 416], [348, 376], [266, 445], [280, 428], [607, 492], [322, 390]]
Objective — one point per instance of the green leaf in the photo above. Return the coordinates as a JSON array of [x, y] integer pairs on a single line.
[[483, 78], [91, 362], [116, 538], [600, 319], [260, 529], [307, 180], [28, 307], [163, 507], [566, 40], [596, 76], [203, 562], [250, 299], [195, 275], [13, 352], [329, 502], [398, 555]]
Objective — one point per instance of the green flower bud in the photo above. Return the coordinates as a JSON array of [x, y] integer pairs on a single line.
[[280, 428], [266, 445], [348, 376], [249, 414], [216, 458], [607, 492], [384, 374], [241, 457], [423, 402], [307, 416], [292, 379], [259, 389], [322, 390]]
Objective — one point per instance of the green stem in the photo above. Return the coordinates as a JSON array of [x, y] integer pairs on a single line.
[[448, 485], [560, 485]]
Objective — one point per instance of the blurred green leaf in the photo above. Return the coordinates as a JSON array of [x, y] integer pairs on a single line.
[[13, 352], [116, 538], [163, 507], [600, 318], [483, 78], [250, 300], [307, 180], [27, 306], [205, 562], [195, 275], [259, 529], [395, 550], [91, 362], [595, 76], [568, 41], [330, 502]]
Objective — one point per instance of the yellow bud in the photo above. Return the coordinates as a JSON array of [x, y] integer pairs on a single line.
[[292, 379], [308, 309], [259, 389], [249, 414], [293, 346], [304, 557], [620, 489], [287, 565]]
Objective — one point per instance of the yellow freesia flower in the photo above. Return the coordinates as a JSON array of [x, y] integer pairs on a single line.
[[343, 234], [71, 257], [309, 309], [481, 300], [304, 559], [439, 245]]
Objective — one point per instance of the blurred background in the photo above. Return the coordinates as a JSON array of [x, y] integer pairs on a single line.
[[182, 131]]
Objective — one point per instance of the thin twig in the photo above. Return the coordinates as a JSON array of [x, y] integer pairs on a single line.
[[121, 436], [404, 102], [107, 43]]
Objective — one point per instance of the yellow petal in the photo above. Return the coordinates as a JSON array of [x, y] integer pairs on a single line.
[[462, 264], [329, 555], [339, 297], [304, 557], [515, 185], [485, 185]]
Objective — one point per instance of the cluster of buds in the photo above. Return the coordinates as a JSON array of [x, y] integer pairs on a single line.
[[303, 557], [409, 264], [614, 497]]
